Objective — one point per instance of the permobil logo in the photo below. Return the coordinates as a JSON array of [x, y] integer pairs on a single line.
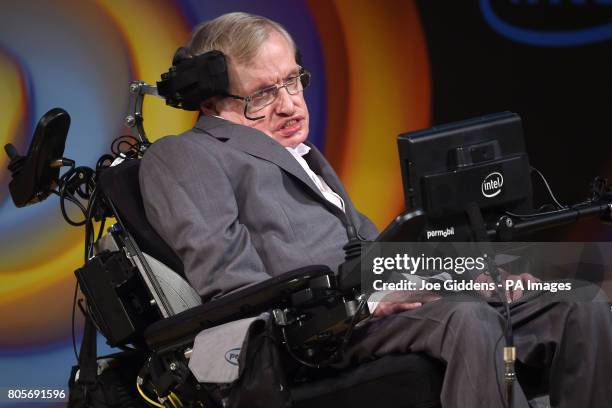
[[550, 23], [492, 185], [441, 233], [232, 356]]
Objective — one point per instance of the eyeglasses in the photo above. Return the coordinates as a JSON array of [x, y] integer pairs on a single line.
[[264, 97]]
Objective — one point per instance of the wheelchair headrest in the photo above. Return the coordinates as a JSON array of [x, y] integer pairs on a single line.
[[120, 185]]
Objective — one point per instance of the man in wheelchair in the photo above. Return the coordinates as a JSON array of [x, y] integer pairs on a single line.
[[257, 221], [243, 197]]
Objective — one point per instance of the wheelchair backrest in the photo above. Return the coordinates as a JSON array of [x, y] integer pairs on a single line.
[[120, 185]]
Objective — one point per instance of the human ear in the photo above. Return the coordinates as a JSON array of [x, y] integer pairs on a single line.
[[209, 106]]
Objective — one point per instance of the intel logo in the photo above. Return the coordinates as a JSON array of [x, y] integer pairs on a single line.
[[550, 23], [492, 184], [232, 356]]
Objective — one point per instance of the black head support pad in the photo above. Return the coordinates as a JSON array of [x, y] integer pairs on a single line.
[[192, 80]]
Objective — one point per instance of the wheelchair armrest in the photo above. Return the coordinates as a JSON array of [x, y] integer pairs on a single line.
[[274, 292]]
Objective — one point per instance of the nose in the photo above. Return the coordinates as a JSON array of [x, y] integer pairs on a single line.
[[284, 103]]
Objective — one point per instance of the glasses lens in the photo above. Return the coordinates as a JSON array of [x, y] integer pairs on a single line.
[[298, 84], [262, 99], [265, 97]]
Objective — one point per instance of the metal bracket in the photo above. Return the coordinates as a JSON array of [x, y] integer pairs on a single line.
[[134, 119]]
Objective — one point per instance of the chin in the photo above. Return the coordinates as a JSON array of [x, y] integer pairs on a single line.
[[293, 141]]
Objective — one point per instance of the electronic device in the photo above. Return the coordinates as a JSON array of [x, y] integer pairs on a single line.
[[479, 161], [35, 174]]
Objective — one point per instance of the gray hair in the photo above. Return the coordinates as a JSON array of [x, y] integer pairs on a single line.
[[237, 35]]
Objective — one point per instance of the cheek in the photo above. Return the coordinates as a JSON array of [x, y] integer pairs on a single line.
[[302, 104]]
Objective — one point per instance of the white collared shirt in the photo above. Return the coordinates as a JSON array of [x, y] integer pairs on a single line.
[[301, 150]]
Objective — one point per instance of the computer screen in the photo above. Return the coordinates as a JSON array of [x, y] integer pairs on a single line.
[[481, 161]]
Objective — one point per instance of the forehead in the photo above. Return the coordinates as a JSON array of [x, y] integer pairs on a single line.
[[274, 61]]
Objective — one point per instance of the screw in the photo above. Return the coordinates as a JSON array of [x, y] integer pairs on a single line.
[[130, 121], [134, 87], [509, 222], [172, 366]]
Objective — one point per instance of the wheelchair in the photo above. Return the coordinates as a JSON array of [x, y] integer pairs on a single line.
[[138, 299]]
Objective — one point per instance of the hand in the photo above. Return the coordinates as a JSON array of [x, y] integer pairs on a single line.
[[399, 301], [513, 294]]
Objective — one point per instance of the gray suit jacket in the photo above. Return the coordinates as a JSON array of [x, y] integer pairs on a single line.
[[237, 208]]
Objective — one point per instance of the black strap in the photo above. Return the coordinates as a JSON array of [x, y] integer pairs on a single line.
[[479, 231], [88, 363], [477, 223]]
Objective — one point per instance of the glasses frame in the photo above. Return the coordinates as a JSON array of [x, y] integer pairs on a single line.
[[247, 99]]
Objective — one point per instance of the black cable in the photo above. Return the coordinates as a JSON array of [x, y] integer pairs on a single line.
[[101, 230], [104, 161], [495, 274], [499, 387], [538, 214], [501, 294], [129, 149], [89, 228], [132, 150], [509, 334], [533, 215], [65, 196], [548, 188], [560, 207], [85, 189], [74, 302], [79, 180]]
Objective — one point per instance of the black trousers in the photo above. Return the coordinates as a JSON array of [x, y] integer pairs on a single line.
[[568, 339]]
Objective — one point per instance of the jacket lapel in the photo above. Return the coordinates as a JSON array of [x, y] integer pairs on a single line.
[[258, 144], [319, 165]]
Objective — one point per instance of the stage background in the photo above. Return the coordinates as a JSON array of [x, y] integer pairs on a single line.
[[379, 69]]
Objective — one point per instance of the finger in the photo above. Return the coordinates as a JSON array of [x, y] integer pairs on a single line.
[[486, 293], [384, 309], [400, 307], [388, 308], [517, 294], [525, 277], [510, 288], [381, 309]]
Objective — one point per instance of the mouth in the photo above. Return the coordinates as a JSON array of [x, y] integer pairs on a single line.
[[290, 127], [289, 123]]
